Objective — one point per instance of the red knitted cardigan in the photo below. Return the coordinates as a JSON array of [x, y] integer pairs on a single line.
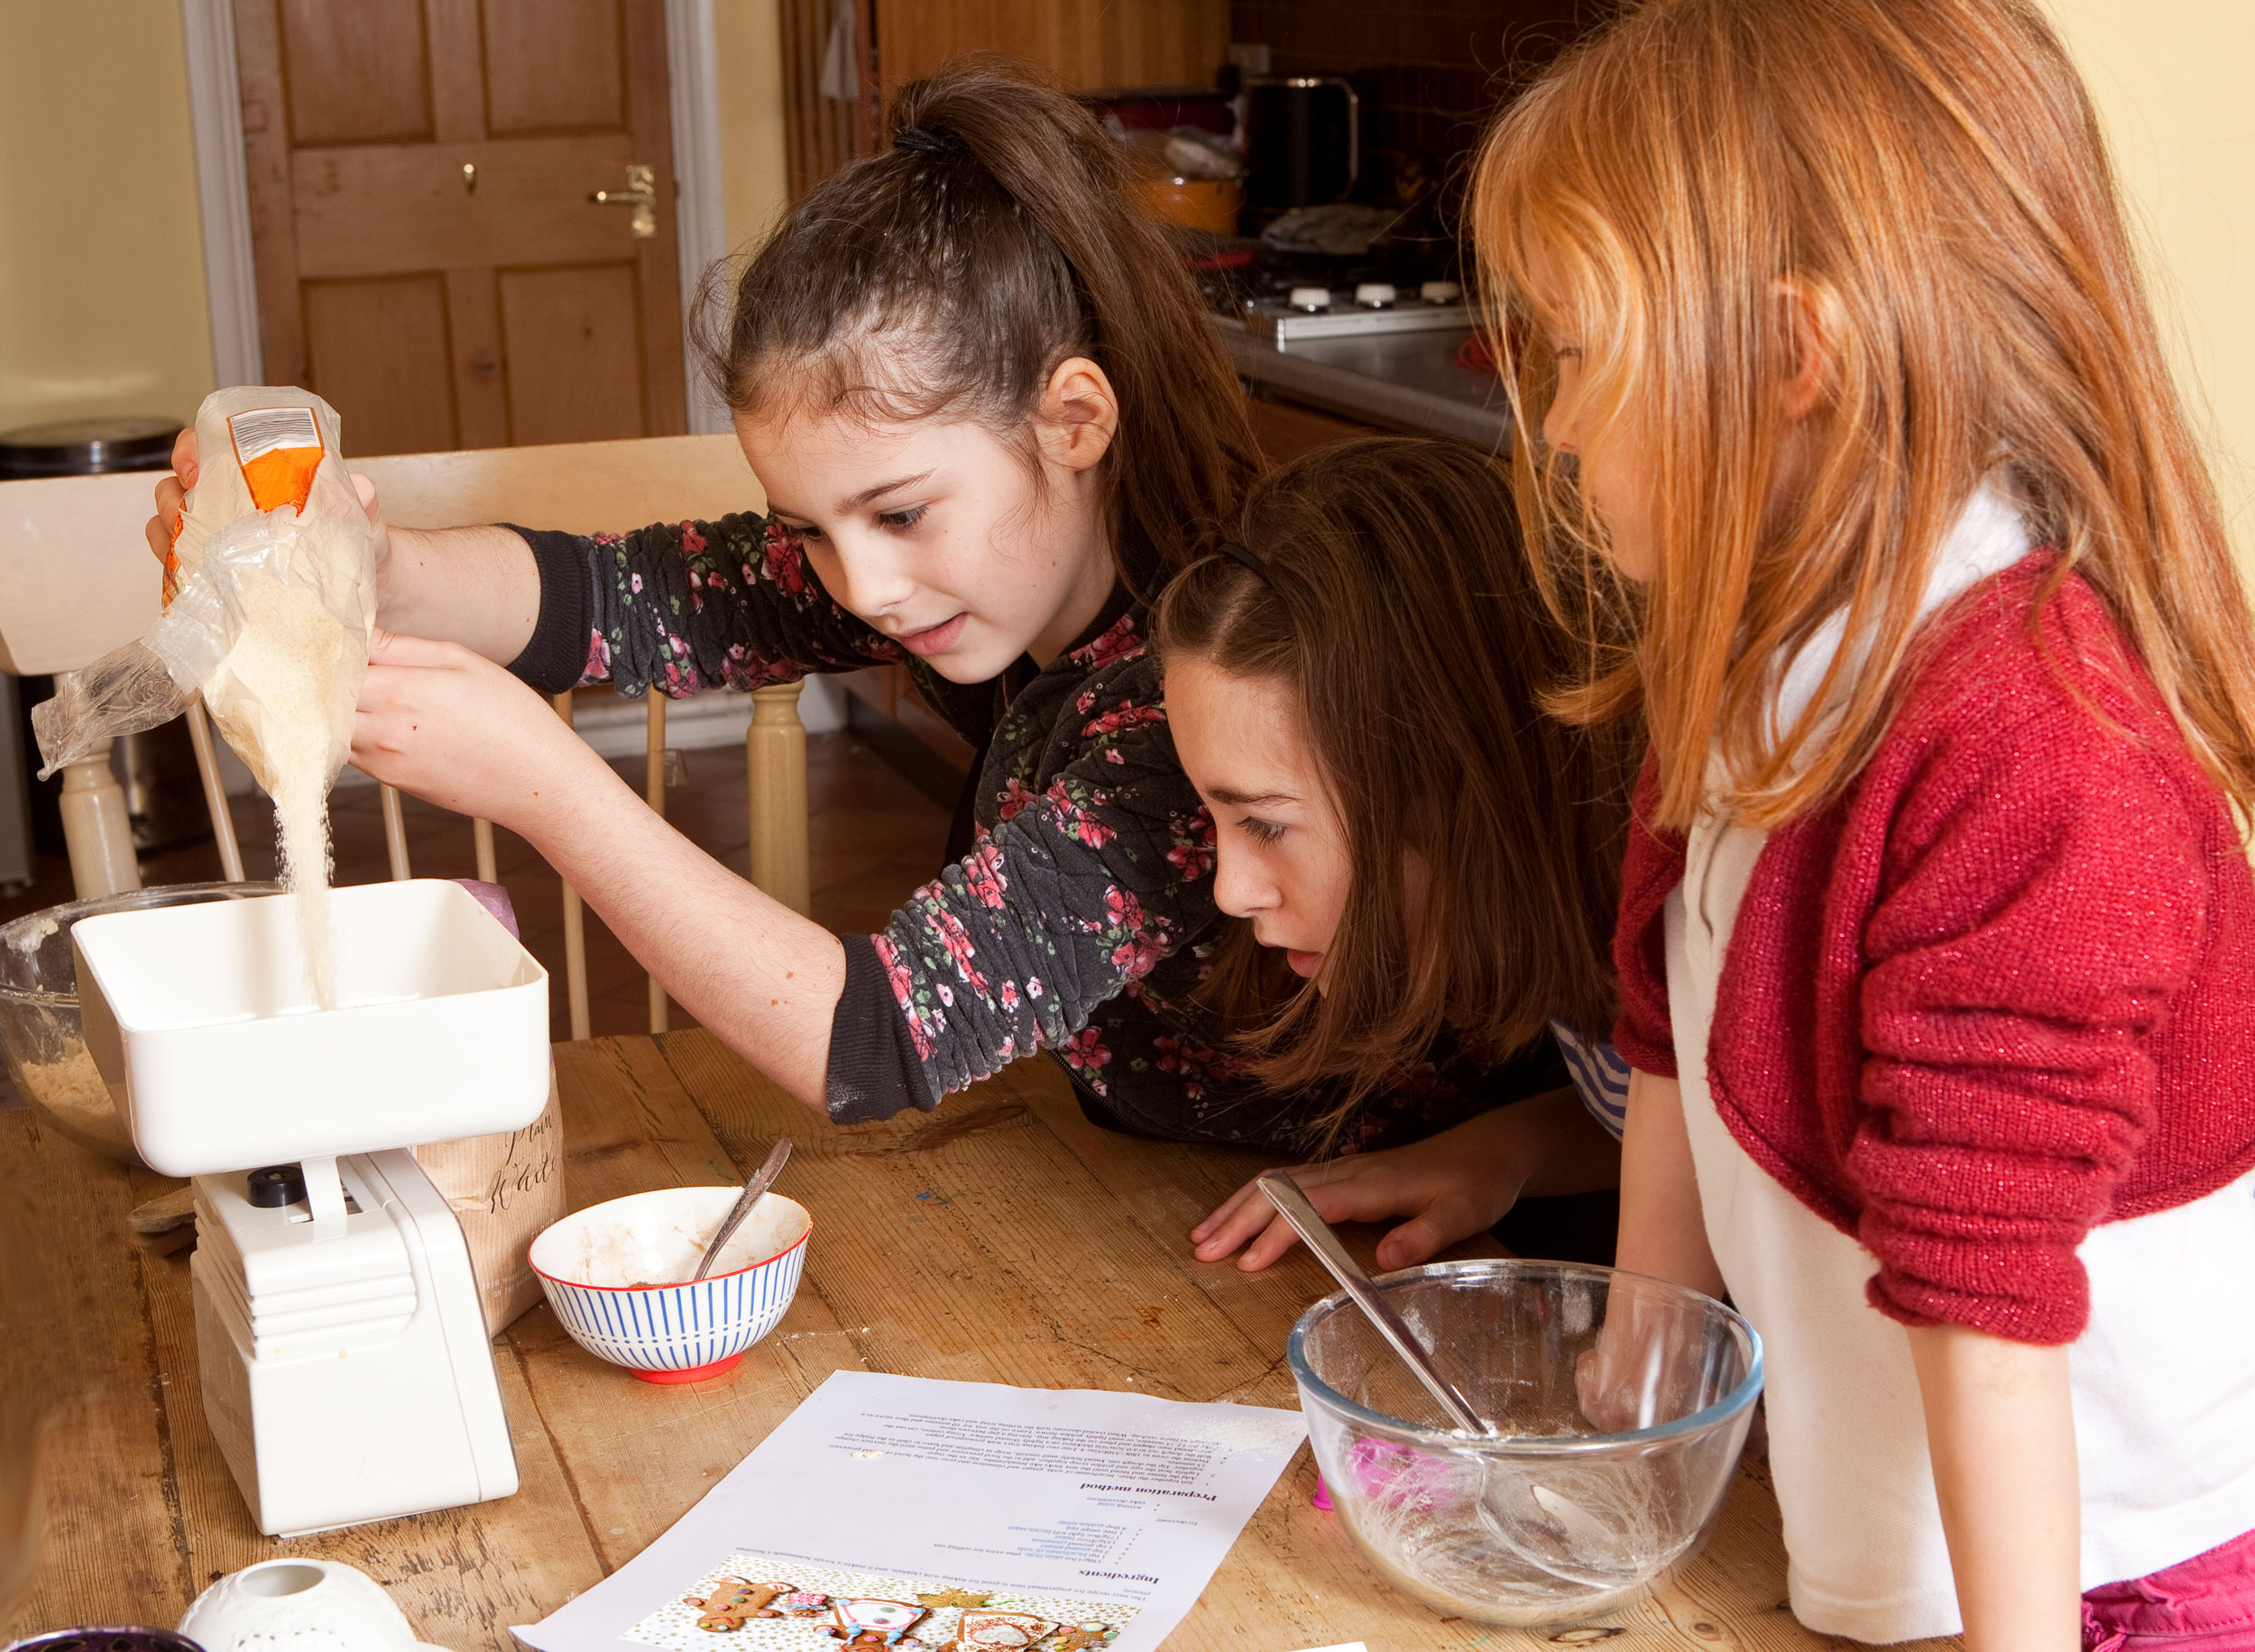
[[2001, 990]]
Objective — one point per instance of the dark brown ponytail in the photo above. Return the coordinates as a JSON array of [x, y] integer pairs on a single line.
[[991, 240]]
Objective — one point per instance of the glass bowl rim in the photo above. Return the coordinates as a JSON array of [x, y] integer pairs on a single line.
[[1739, 1399], [124, 900]]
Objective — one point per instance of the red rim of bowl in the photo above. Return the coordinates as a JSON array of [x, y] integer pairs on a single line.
[[557, 1279]]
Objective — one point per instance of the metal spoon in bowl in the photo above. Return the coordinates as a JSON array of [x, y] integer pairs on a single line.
[[761, 1180], [1580, 1548], [1293, 1205]]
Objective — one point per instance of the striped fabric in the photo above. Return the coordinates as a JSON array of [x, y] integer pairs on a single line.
[[678, 1328], [1600, 1076]]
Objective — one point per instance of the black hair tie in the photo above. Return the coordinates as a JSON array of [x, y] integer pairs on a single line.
[[918, 140], [1244, 558]]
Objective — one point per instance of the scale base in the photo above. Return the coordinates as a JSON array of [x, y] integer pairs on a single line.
[[346, 1372]]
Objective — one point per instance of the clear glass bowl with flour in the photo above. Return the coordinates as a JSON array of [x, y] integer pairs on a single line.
[[40, 1030], [1552, 1521]]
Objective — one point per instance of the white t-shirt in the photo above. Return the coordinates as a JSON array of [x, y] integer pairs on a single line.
[[2163, 1378]]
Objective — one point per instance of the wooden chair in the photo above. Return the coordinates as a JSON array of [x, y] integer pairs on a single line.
[[75, 580]]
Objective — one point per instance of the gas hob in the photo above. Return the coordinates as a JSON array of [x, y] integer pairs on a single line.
[[1369, 309]]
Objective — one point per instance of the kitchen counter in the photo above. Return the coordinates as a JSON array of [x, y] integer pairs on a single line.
[[1405, 382]]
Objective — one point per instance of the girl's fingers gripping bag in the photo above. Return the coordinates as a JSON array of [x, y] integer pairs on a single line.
[[271, 603]]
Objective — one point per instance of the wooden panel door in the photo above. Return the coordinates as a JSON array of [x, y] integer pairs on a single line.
[[427, 255]]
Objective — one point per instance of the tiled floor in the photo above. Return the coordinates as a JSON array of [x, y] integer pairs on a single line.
[[875, 837]]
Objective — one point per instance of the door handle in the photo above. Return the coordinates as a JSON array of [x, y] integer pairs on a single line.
[[641, 194]]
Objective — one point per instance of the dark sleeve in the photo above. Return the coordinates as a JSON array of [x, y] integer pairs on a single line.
[[873, 1071], [1064, 905], [554, 660], [686, 606]]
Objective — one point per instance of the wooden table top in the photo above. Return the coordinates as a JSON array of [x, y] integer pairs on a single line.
[[1001, 1240]]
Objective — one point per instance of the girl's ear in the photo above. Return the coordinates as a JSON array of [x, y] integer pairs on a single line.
[[1810, 314], [1079, 414]]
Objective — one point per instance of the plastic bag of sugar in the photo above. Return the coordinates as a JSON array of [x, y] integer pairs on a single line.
[[271, 604]]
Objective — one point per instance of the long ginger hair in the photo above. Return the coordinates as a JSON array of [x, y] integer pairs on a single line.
[[951, 273], [1399, 612], [1928, 177]]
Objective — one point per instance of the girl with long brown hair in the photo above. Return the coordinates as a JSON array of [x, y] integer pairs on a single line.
[[991, 418], [1936, 942], [1417, 858]]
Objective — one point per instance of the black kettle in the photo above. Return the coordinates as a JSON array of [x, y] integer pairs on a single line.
[[1303, 141]]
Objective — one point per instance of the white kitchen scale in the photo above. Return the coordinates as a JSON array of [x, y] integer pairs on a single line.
[[347, 1371]]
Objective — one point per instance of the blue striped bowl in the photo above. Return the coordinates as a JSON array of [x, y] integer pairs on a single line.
[[600, 1268]]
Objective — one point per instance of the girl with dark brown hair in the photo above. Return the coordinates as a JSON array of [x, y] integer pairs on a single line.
[[1416, 856], [991, 418]]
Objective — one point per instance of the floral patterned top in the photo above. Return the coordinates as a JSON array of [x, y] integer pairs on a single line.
[[1080, 918]]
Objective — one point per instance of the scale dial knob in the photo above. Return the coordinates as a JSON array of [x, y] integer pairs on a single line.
[[275, 1187], [1376, 295], [1310, 298], [1440, 292]]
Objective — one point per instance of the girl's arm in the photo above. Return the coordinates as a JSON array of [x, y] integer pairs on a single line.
[[1069, 902], [1454, 1183], [685, 606], [679, 605], [454, 729], [2000, 1427], [1663, 1230], [1663, 1234]]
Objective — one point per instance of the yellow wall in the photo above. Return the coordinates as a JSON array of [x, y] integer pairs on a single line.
[[101, 260], [748, 41], [2171, 80]]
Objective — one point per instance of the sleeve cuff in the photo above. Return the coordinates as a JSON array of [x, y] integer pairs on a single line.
[[2048, 1310], [1649, 1051], [874, 1071], [556, 659]]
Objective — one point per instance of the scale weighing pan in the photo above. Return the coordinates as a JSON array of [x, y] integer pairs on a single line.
[[204, 1025]]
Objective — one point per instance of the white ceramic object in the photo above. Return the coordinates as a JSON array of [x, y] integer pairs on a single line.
[[298, 1606], [607, 1273], [202, 1023]]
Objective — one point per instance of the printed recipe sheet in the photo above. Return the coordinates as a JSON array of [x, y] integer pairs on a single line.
[[897, 1512]]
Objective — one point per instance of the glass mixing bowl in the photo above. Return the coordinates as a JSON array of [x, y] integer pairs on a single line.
[[40, 1029], [1552, 1520]]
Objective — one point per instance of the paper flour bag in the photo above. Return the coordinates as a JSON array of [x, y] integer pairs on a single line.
[[503, 1190]]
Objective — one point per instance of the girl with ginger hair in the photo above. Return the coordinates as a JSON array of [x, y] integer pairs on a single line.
[[1937, 941]]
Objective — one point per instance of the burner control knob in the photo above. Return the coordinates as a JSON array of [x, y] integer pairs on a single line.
[[1376, 295], [1440, 292], [276, 1186], [1310, 298]]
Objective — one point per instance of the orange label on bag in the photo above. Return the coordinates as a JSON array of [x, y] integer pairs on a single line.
[[278, 449]]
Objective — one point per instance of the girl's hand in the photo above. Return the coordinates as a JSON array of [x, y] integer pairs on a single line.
[[1460, 1182], [454, 729], [172, 495], [172, 499]]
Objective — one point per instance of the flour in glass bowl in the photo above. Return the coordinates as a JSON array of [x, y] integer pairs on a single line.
[[280, 695]]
